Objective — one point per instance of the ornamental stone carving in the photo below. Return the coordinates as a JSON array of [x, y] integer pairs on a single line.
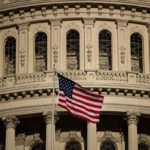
[[22, 57], [100, 7], [89, 52], [55, 11], [11, 121], [72, 62], [122, 54], [77, 9], [122, 10], [55, 54], [133, 117], [66, 10], [48, 117]]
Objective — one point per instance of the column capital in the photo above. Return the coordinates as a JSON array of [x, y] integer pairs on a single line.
[[55, 22], [132, 117], [23, 26], [11, 121], [89, 21], [48, 117], [121, 23]]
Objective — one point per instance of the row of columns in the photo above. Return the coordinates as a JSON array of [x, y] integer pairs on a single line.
[[11, 123]]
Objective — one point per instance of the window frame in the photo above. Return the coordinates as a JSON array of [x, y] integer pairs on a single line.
[[142, 53], [110, 62], [46, 61], [15, 55]]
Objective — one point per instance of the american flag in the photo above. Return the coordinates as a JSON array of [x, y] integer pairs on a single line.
[[79, 101]]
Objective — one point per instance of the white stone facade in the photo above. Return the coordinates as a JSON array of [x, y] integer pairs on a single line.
[[29, 93]]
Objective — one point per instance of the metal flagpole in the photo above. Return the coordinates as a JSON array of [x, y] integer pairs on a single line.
[[53, 109]]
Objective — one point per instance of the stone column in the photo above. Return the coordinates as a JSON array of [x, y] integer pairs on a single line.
[[50, 130], [132, 120], [55, 43], [91, 136], [1, 55], [122, 45], [23, 47], [10, 123]]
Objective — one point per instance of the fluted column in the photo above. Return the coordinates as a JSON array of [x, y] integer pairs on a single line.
[[132, 120], [1, 55], [91, 136], [50, 130], [10, 123]]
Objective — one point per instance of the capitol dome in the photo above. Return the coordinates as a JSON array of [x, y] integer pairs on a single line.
[[102, 45]]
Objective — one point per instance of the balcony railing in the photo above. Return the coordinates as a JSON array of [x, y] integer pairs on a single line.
[[88, 78]]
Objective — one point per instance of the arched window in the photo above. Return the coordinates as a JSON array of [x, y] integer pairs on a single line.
[[105, 48], [73, 145], [136, 52], [40, 52], [10, 56], [73, 44], [107, 145], [143, 146]]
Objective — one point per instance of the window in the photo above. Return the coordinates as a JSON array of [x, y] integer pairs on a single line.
[[10, 56], [142, 146], [105, 56], [108, 145], [73, 145], [73, 50], [136, 52], [40, 52]]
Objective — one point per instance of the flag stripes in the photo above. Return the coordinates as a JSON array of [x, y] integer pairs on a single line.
[[81, 103]]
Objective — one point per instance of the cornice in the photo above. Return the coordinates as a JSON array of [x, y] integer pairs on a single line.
[[128, 84], [15, 4]]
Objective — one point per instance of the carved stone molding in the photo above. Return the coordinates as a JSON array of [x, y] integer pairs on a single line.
[[72, 135], [77, 9], [111, 9], [100, 8], [10, 121], [133, 12], [143, 138], [22, 57], [44, 11], [55, 22], [66, 10], [122, 10], [122, 23], [55, 54], [48, 117], [23, 26], [133, 117], [89, 52], [88, 9], [54, 10], [108, 135], [122, 54]]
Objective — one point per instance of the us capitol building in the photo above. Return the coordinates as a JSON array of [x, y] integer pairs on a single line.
[[102, 45]]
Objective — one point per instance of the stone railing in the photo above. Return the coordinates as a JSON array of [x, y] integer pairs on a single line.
[[99, 78], [112, 76], [30, 78]]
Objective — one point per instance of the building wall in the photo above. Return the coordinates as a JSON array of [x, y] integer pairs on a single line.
[[28, 95]]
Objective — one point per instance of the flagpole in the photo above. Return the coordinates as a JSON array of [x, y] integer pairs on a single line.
[[53, 109]]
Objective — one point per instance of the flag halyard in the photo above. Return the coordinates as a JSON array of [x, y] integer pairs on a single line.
[[79, 101]]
